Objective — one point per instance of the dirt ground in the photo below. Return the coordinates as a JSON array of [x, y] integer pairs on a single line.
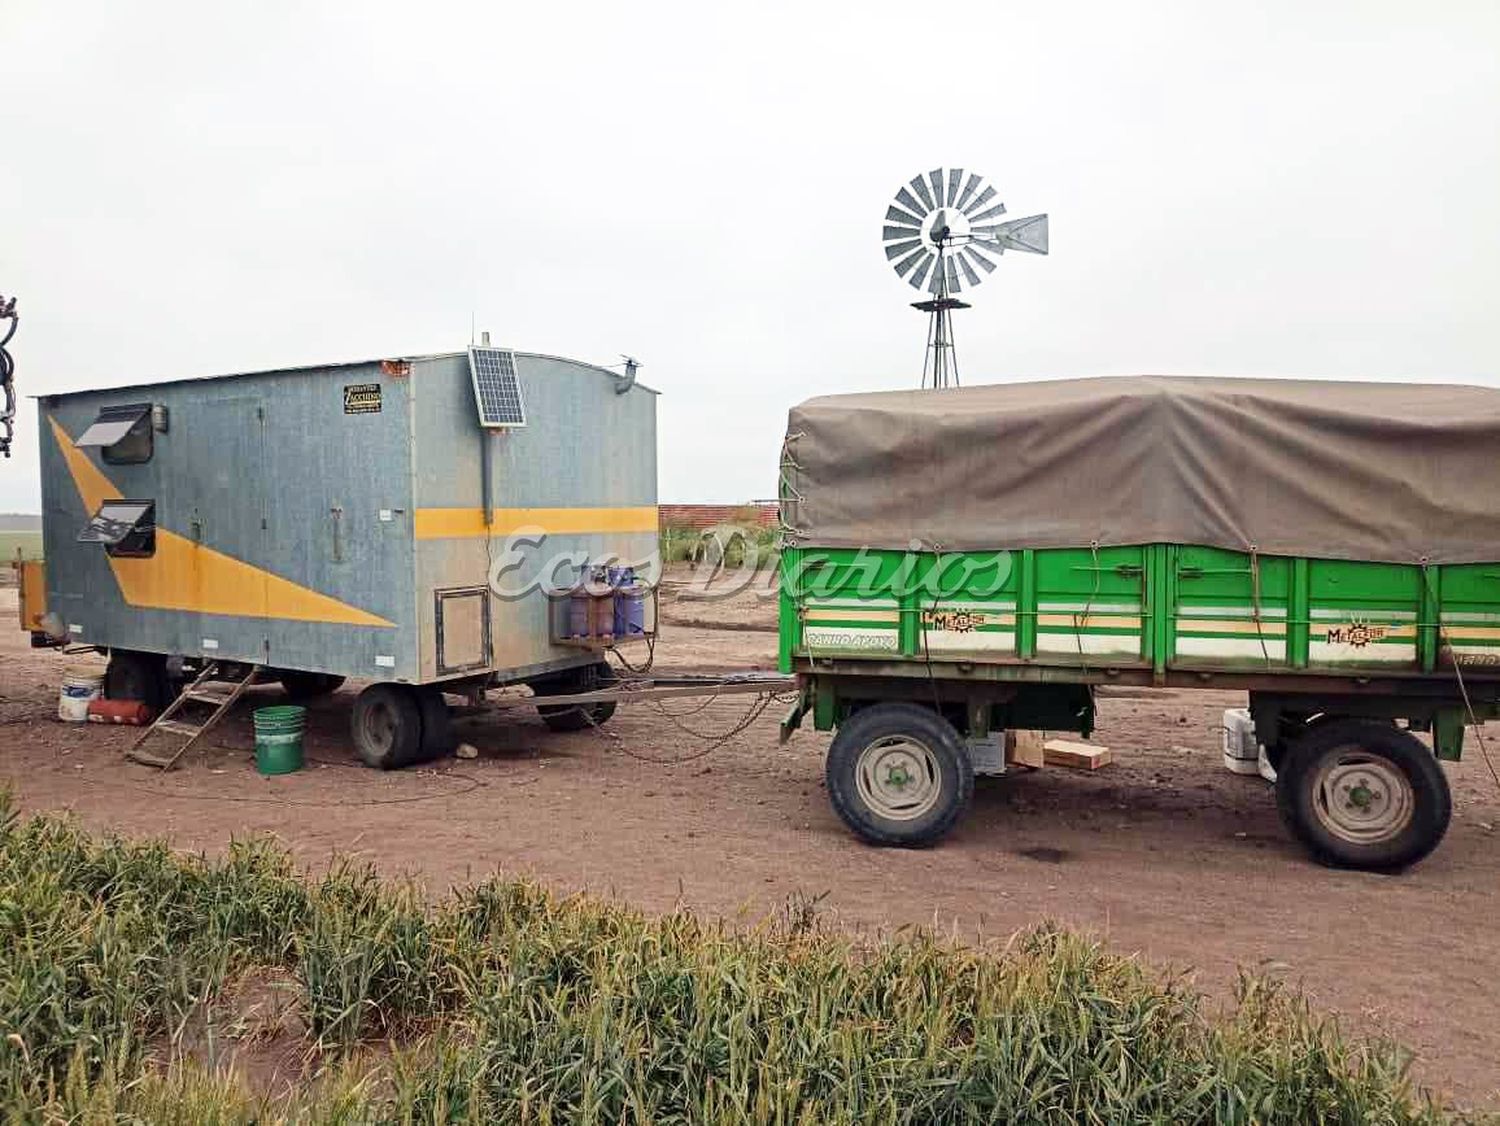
[[1163, 852]]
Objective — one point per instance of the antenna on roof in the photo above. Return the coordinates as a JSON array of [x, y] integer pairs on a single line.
[[940, 227]]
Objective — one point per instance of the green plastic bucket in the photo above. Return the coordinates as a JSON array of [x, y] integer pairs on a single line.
[[278, 739]]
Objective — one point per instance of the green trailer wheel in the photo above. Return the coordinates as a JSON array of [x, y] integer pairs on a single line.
[[1363, 794], [898, 774]]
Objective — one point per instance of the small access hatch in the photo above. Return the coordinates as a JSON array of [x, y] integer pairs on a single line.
[[463, 629], [124, 527], [122, 432], [113, 424]]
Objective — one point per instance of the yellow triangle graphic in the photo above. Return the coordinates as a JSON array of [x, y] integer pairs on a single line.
[[184, 575]]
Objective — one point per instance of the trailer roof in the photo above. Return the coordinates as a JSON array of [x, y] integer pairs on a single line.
[[331, 367], [1396, 472]]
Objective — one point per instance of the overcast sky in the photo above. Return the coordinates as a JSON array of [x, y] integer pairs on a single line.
[[1301, 188]]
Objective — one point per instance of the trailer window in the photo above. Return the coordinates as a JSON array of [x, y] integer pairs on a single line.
[[122, 433], [126, 528]]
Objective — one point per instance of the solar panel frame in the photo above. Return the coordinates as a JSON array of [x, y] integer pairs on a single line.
[[497, 388]]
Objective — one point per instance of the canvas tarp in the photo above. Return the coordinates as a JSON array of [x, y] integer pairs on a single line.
[[1379, 471]]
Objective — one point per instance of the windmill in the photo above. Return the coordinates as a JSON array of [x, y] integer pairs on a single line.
[[938, 229]]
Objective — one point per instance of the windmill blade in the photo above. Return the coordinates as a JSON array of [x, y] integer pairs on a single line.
[[972, 250], [919, 186], [972, 186], [921, 272], [896, 249], [896, 215], [1029, 234], [988, 213], [910, 260], [969, 275], [889, 233], [935, 178], [950, 271], [954, 176], [910, 202], [980, 200]]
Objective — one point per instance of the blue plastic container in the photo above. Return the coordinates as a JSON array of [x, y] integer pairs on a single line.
[[630, 602]]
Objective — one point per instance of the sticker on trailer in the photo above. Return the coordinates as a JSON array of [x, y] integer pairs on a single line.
[[361, 398], [385, 662], [210, 643]]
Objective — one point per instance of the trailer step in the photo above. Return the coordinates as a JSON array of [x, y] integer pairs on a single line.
[[145, 758], [166, 725]]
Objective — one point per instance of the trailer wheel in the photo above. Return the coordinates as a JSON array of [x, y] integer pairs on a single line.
[[309, 685], [138, 676], [437, 726], [1363, 794], [387, 726], [898, 774], [578, 717]]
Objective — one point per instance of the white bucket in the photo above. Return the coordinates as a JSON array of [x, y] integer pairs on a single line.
[[80, 686]]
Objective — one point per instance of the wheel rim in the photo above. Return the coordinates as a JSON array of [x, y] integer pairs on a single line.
[[1361, 797], [898, 777], [380, 726]]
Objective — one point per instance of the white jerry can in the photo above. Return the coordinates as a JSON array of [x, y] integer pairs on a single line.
[[1243, 754]]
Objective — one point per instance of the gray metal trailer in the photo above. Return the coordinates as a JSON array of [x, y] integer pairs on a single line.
[[346, 520]]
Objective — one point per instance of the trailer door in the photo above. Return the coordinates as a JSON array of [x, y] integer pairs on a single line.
[[218, 500]]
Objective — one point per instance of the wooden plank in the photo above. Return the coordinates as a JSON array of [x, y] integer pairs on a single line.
[[1078, 756]]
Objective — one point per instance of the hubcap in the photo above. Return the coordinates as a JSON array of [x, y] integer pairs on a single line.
[[1361, 797], [898, 777]]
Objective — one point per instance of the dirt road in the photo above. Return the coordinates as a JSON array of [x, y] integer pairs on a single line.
[[1164, 852]]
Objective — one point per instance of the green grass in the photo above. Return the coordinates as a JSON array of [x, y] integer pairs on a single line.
[[679, 544], [504, 1003], [28, 543]]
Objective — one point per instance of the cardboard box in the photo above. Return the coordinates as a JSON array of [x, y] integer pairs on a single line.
[[1024, 748]]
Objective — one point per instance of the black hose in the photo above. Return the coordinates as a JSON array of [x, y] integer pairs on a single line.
[[7, 375]]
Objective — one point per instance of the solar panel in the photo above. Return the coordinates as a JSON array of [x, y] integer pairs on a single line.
[[496, 388]]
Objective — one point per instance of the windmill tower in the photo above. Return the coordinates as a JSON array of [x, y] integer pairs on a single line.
[[938, 229]]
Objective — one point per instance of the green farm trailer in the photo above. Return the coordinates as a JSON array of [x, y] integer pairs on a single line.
[[962, 563]]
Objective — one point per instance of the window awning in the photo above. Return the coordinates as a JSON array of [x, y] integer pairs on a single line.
[[113, 424], [116, 519]]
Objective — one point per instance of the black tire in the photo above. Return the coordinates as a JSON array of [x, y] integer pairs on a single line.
[[1397, 807], [309, 685], [577, 717], [437, 726], [387, 726], [138, 676], [922, 747]]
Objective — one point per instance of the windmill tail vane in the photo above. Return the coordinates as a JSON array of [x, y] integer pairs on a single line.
[[941, 233]]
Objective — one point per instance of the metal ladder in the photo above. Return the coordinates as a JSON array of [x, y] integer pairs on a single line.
[[194, 693]]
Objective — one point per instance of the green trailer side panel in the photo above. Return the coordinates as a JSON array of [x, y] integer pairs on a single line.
[[1161, 607], [1466, 599]]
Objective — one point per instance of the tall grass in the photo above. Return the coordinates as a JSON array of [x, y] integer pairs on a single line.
[[506, 1003]]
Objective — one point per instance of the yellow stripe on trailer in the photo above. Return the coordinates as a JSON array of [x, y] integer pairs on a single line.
[[469, 523]]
